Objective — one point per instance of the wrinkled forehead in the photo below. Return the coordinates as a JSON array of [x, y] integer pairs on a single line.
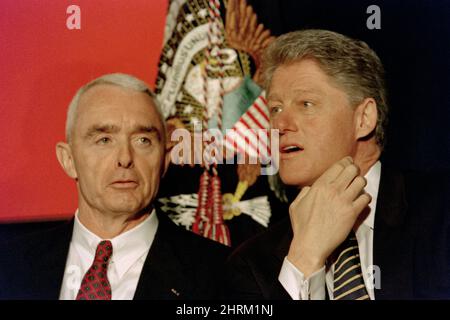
[[107, 103], [306, 67]]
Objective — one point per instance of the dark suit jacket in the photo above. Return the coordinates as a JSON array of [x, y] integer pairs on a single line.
[[179, 265], [411, 245]]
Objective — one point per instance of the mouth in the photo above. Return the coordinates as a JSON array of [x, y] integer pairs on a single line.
[[124, 184], [289, 150]]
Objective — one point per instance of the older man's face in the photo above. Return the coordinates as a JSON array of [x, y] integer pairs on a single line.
[[316, 122], [117, 149]]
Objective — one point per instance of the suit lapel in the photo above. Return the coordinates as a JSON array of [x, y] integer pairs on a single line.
[[162, 276], [48, 264], [392, 245]]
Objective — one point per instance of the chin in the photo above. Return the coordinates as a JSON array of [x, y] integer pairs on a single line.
[[296, 178], [292, 179], [125, 206]]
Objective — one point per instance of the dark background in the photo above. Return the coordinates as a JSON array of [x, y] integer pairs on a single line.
[[414, 46]]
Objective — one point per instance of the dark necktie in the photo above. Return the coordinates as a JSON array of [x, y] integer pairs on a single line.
[[95, 284], [348, 279]]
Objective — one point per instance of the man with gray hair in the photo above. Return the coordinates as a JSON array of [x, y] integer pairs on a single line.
[[357, 230], [117, 246]]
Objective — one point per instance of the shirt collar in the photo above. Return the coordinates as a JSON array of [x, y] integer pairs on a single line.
[[128, 247], [373, 184]]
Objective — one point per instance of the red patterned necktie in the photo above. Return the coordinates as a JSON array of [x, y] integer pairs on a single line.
[[95, 284]]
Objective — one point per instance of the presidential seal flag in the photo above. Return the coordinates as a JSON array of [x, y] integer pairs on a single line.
[[209, 78]]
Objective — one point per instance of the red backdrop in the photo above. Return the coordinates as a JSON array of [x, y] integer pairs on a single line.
[[42, 65]]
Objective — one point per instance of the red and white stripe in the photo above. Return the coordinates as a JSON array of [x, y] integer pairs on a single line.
[[243, 140]]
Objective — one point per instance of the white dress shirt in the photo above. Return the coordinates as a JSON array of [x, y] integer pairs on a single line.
[[130, 250], [313, 287]]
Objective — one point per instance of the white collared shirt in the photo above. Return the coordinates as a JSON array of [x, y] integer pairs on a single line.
[[313, 287], [130, 250]]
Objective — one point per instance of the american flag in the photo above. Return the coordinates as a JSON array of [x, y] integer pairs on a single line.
[[250, 134]]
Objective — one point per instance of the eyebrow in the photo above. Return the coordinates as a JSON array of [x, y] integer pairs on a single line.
[[148, 129], [111, 128]]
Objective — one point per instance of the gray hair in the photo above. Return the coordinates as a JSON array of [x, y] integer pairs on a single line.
[[350, 63], [117, 79]]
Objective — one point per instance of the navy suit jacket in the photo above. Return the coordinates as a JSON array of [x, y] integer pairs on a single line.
[[411, 245], [179, 265]]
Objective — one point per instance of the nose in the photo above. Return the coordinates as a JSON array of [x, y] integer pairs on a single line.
[[125, 156], [284, 121]]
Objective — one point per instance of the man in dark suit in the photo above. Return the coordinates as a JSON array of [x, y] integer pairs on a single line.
[[117, 246], [357, 230]]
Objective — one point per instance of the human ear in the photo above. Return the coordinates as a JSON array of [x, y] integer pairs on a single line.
[[366, 118], [65, 158]]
